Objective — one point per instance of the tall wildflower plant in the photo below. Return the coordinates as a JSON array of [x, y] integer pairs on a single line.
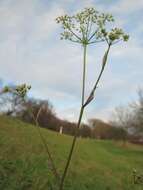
[[85, 28]]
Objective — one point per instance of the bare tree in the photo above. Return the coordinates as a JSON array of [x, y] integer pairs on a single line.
[[10, 104], [138, 113], [130, 117]]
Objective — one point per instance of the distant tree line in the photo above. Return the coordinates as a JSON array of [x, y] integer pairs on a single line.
[[102, 130], [126, 123], [11, 105]]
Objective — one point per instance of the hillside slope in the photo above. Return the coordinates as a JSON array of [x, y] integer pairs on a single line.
[[96, 165]]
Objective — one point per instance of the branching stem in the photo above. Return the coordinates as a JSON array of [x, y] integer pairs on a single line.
[[89, 99], [35, 119], [91, 96]]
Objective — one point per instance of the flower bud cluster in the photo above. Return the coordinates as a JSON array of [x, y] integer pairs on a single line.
[[20, 90]]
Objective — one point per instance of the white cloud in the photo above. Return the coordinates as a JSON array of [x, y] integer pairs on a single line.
[[30, 51], [127, 6]]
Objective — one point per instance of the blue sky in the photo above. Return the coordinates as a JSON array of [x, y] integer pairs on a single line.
[[31, 52]]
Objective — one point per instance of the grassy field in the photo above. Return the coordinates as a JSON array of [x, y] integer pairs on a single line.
[[96, 165]]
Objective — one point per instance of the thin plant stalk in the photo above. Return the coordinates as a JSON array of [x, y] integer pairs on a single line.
[[79, 120], [84, 74], [21, 92], [53, 168], [92, 93], [89, 99], [52, 164]]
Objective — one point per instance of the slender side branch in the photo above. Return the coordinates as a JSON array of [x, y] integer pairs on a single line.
[[74, 34], [87, 29], [92, 36], [117, 41], [74, 41], [96, 41], [35, 119], [91, 96]]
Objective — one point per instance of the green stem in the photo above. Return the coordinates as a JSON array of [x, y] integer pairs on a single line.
[[71, 150], [35, 119], [91, 96], [84, 74], [79, 121]]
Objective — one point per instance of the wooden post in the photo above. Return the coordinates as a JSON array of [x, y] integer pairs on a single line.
[[61, 130]]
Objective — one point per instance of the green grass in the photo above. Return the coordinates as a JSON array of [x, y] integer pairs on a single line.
[[96, 165]]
